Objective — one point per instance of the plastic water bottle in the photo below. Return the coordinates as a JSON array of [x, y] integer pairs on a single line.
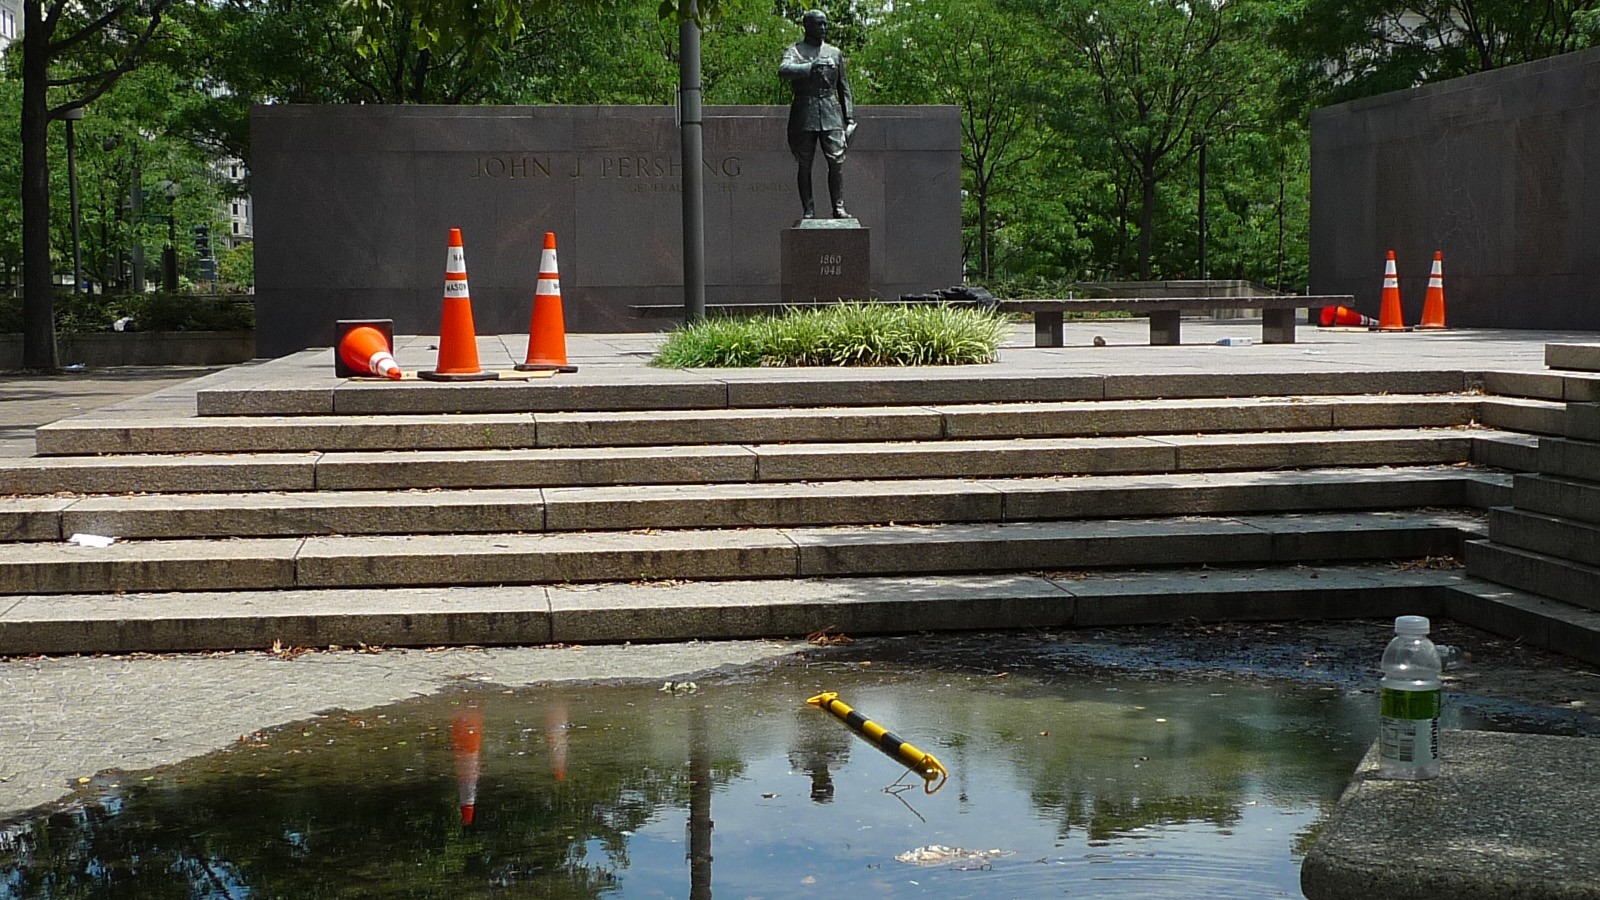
[[1408, 730]]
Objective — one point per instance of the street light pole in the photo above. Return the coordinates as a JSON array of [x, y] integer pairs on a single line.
[[691, 120], [74, 115], [169, 256]]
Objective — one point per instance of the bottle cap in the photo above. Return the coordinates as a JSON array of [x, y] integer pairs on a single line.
[[1411, 625]]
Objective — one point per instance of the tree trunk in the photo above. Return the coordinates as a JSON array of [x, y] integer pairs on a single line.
[[38, 306], [983, 233], [1147, 221]]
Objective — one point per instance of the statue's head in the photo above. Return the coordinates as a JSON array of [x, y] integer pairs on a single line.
[[816, 25]]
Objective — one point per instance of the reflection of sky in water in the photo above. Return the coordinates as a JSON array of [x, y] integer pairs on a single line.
[[1107, 786]]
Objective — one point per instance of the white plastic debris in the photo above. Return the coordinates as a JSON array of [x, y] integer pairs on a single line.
[[1234, 342], [91, 540], [934, 854]]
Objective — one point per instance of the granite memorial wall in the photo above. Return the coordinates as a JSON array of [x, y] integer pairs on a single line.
[[1498, 170], [353, 205]]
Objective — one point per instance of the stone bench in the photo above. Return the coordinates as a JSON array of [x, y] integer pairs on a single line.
[[675, 310], [1277, 313]]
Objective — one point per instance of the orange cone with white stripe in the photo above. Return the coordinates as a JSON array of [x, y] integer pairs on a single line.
[[365, 351], [1433, 307], [547, 329], [1344, 317], [1390, 318], [458, 340]]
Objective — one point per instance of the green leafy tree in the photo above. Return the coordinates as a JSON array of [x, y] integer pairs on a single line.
[[1158, 73], [1354, 48], [73, 51], [971, 54]]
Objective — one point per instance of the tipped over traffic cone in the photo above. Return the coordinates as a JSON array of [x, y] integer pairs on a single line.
[[458, 341], [1433, 307], [466, 740], [365, 351], [1390, 318], [1343, 317], [547, 328]]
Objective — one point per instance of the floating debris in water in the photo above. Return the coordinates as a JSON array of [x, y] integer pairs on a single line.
[[934, 854]]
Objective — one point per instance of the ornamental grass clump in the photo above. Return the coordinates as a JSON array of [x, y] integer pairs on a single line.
[[845, 334]]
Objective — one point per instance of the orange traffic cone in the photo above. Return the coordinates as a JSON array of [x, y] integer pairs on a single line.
[[1390, 318], [1433, 307], [458, 341], [1343, 317], [365, 351], [466, 740], [547, 328]]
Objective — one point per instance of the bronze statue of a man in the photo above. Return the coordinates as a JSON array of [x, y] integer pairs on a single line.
[[823, 110]]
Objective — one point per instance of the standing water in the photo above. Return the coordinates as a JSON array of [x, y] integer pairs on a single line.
[[1065, 780]]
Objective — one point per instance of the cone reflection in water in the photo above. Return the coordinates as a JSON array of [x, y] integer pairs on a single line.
[[365, 350], [1433, 307], [1390, 317], [555, 727], [466, 740]]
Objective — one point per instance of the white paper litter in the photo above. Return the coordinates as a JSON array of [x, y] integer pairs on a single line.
[[91, 540], [934, 854]]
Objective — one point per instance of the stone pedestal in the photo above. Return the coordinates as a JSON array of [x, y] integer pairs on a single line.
[[826, 259]]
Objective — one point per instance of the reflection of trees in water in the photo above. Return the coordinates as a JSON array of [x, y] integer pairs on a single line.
[[1100, 761], [346, 810], [366, 804]]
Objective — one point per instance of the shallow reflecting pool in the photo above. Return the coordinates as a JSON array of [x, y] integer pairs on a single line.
[[1066, 779]]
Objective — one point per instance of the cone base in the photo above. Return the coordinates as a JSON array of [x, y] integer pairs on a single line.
[[1433, 327], [1392, 328], [545, 367], [459, 376]]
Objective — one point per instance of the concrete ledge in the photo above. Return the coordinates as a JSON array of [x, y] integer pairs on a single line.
[[1524, 415], [1565, 497], [1511, 815], [498, 431], [175, 474], [1506, 450], [658, 611], [803, 388], [1581, 357], [1548, 576], [742, 505], [1540, 385]]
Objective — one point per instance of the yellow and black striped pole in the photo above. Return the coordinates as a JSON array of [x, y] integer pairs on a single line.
[[932, 771]]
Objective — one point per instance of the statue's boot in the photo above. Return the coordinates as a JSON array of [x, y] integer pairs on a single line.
[[836, 193], [806, 203]]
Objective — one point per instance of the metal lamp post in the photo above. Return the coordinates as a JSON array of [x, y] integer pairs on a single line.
[[169, 255], [73, 115]]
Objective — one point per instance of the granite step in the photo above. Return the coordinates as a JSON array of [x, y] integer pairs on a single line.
[[1506, 450], [1538, 573], [1525, 415], [799, 387], [614, 612], [1551, 535], [651, 555], [275, 434], [1567, 498], [738, 505], [1583, 421], [721, 463], [1567, 458], [1577, 357]]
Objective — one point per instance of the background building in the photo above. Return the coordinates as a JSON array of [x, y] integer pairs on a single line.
[[10, 21]]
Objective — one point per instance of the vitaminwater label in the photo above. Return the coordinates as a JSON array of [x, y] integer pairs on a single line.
[[1408, 731]]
